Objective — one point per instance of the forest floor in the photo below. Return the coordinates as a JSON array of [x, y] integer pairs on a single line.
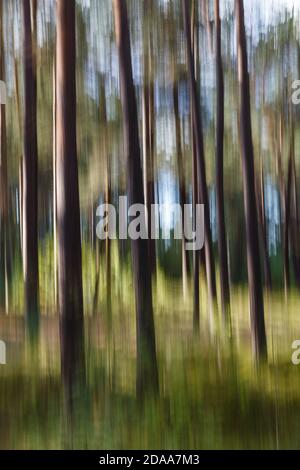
[[212, 394]]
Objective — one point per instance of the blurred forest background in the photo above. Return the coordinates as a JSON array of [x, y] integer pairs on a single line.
[[142, 344]]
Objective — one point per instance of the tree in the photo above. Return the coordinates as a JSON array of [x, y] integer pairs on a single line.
[[182, 190], [222, 239], [260, 202], [148, 129], [30, 169], [196, 254], [68, 212], [201, 172], [147, 374], [251, 219]]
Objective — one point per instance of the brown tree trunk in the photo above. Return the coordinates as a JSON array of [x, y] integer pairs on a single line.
[[68, 212], [196, 254], [195, 188], [29, 174], [222, 239], [147, 374], [287, 215], [182, 190], [283, 198], [108, 242], [260, 202], [148, 131], [201, 172], [294, 215], [251, 220]]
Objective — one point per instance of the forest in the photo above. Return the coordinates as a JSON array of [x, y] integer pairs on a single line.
[[140, 342]]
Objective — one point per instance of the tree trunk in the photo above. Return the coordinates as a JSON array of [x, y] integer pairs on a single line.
[[195, 188], [147, 374], [30, 172], [294, 229], [196, 254], [108, 243], [182, 191], [222, 239], [148, 131], [251, 220], [201, 172], [287, 214], [68, 212], [260, 202], [283, 205]]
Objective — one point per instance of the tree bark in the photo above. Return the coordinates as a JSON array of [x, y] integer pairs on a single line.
[[147, 374], [30, 172], [68, 211], [260, 202], [251, 220], [148, 130], [182, 190], [294, 228], [283, 197], [201, 172], [222, 239], [287, 215], [195, 188]]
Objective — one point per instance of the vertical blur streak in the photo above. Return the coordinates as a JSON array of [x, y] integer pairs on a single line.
[[253, 258], [68, 217], [29, 174], [195, 188], [148, 129], [147, 374], [182, 190], [201, 171], [222, 239]]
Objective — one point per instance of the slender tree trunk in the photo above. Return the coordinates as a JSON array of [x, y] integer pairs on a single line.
[[147, 374], [68, 212], [148, 132], [252, 240], [208, 24], [103, 123], [195, 188], [196, 254], [108, 242], [151, 172], [222, 239], [182, 190], [284, 212], [30, 172], [201, 172], [287, 215], [295, 238], [260, 202], [294, 216]]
